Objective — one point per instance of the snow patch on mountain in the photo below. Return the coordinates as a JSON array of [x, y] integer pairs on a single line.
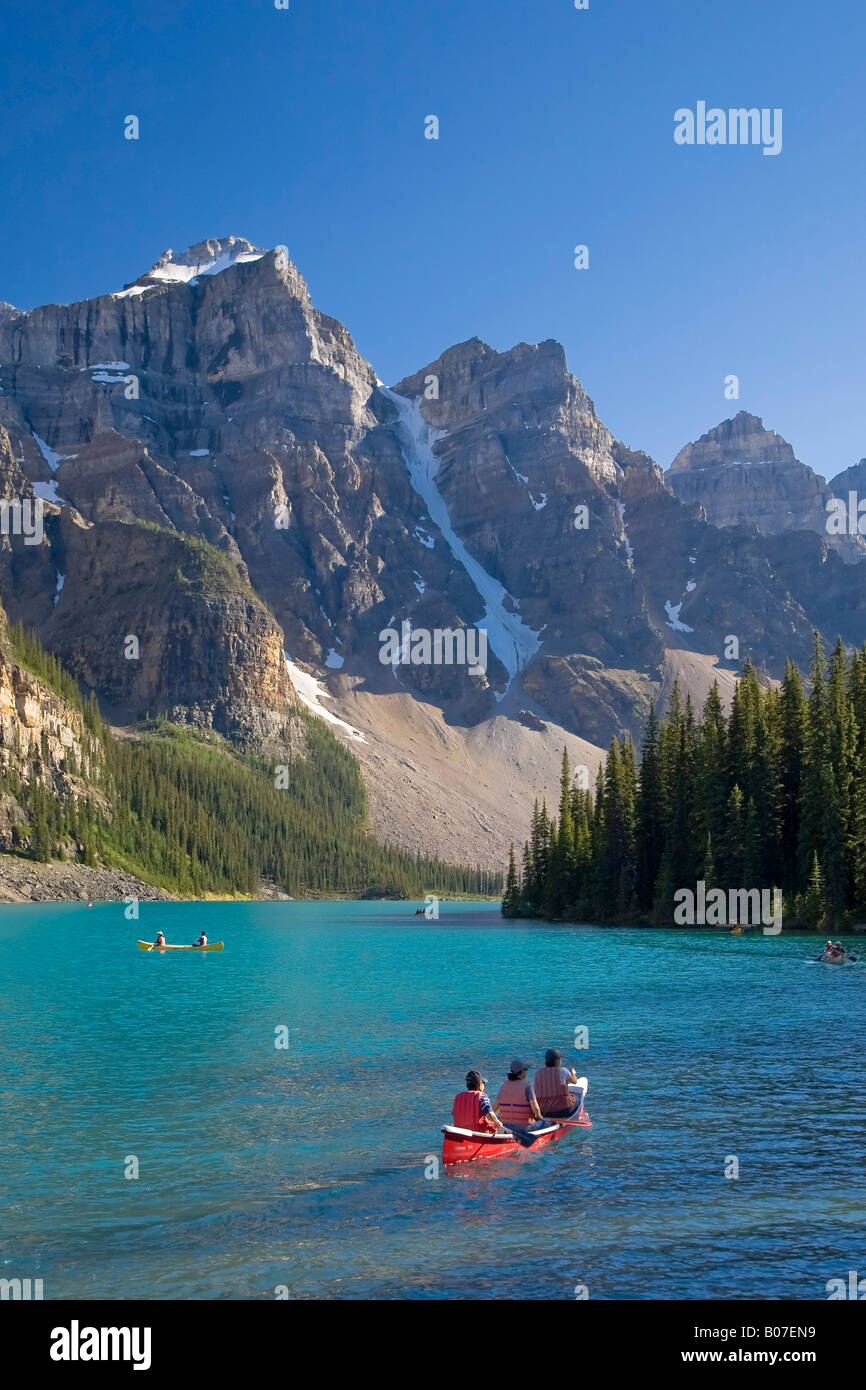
[[521, 478], [175, 272], [51, 458], [629, 548], [311, 692], [187, 267], [511, 639], [673, 618], [48, 492]]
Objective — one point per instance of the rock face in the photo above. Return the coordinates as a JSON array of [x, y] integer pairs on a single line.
[[852, 479], [521, 450], [156, 621], [21, 881], [42, 739], [223, 476], [745, 475]]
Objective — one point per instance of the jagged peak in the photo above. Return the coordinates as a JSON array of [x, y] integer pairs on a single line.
[[479, 357], [208, 257], [742, 439]]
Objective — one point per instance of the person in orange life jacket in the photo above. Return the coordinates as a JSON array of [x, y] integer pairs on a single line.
[[472, 1109], [516, 1104], [551, 1087]]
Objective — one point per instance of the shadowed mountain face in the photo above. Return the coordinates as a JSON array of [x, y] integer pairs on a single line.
[[851, 479], [224, 478]]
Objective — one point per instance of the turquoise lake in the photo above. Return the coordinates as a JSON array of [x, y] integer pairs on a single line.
[[308, 1167]]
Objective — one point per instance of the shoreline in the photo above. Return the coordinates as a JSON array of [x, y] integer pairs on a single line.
[[29, 881]]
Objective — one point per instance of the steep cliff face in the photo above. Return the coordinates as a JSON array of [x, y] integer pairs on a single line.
[[159, 622], [529, 476], [745, 475], [43, 742]]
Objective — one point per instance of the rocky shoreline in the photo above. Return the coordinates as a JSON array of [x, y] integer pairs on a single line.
[[24, 880]]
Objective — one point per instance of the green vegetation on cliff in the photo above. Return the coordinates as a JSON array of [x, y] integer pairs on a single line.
[[193, 815]]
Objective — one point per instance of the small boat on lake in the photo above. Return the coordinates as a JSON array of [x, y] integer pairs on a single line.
[[834, 953], [469, 1145], [152, 946]]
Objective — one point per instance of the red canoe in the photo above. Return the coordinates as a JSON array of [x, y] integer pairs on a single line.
[[464, 1145]]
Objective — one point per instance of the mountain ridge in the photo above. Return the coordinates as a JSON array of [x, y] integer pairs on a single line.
[[212, 400]]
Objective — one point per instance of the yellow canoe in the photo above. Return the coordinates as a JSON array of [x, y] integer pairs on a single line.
[[150, 946]]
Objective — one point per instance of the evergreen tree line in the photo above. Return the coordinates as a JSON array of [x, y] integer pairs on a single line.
[[194, 816], [771, 795]]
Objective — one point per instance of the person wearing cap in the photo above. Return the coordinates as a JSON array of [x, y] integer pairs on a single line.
[[551, 1084], [516, 1104], [472, 1109]]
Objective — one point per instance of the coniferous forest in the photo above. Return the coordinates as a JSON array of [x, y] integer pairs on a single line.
[[190, 814], [771, 794]]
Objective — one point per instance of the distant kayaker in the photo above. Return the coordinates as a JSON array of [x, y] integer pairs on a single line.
[[472, 1109], [202, 941], [551, 1083], [516, 1104], [160, 939]]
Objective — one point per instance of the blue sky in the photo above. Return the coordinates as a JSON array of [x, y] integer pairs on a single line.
[[306, 127]]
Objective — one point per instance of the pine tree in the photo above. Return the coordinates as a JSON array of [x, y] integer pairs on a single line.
[[511, 896], [791, 748], [815, 902], [650, 822]]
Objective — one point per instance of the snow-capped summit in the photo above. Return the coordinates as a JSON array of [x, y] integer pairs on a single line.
[[185, 267]]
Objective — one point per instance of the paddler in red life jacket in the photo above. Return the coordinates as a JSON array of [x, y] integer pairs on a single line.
[[516, 1104], [551, 1084], [472, 1109]]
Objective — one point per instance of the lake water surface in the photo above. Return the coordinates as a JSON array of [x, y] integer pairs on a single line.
[[308, 1167]]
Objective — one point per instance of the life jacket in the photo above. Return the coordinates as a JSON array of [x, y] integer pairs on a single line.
[[514, 1108], [551, 1091], [467, 1112]]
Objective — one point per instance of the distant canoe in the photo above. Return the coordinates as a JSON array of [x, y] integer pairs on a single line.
[[151, 946]]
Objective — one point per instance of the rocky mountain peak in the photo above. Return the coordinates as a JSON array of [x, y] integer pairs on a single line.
[[529, 384], [744, 474], [742, 441], [850, 479], [208, 257]]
